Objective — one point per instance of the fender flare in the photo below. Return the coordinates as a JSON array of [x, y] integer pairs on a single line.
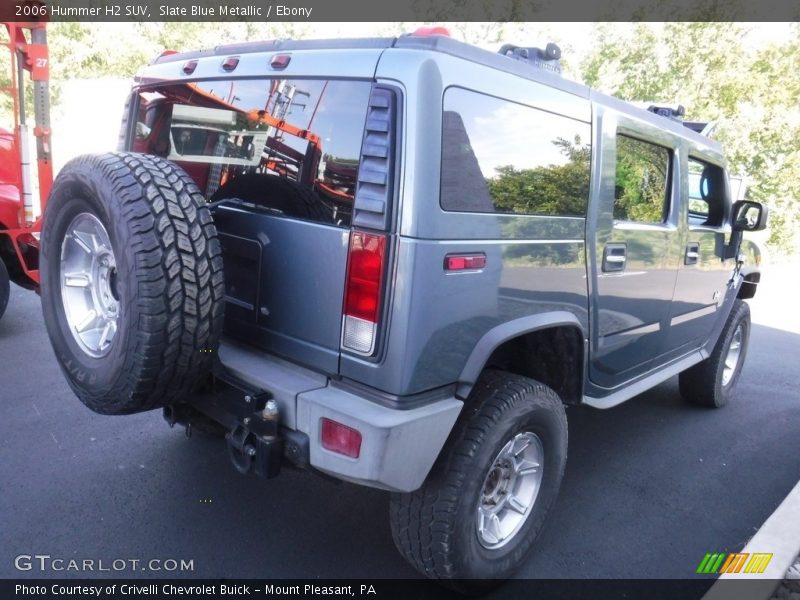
[[504, 332]]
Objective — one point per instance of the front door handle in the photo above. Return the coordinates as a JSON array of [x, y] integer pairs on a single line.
[[692, 254], [614, 258]]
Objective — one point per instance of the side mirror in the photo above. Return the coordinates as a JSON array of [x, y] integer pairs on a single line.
[[749, 216]]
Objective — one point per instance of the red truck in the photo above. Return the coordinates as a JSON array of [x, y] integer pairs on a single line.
[[19, 230]]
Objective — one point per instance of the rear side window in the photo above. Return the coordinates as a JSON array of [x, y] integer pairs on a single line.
[[503, 157], [708, 193], [642, 180], [289, 146]]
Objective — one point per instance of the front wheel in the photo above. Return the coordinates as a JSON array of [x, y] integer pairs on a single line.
[[711, 382], [487, 497]]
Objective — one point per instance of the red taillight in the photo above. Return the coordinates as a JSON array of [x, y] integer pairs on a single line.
[[364, 275], [340, 438], [464, 262], [362, 302]]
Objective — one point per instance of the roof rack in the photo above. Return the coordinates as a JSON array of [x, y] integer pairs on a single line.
[[671, 111], [706, 129], [546, 60], [676, 112]]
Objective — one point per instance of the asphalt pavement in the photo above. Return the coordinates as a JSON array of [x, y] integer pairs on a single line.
[[651, 486]]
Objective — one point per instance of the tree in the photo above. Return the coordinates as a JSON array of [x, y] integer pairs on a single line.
[[558, 189], [751, 93]]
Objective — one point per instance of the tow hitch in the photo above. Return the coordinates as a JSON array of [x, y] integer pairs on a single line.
[[253, 422], [255, 445]]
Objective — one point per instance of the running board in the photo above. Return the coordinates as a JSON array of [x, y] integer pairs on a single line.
[[645, 384]]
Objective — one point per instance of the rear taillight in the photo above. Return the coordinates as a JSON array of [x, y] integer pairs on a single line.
[[363, 291], [340, 438]]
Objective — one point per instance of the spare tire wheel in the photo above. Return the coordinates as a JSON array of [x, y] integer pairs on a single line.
[[131, 281]]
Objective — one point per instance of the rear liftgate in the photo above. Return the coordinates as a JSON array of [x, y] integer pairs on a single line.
[[256, 441]]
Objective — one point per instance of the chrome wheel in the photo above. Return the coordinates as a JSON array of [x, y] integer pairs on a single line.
[[732, 357], [509, 490], [89, 285]]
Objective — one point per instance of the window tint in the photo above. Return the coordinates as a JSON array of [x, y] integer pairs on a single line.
[[707, 193], [499, 156], [641, 182], [291, 146]]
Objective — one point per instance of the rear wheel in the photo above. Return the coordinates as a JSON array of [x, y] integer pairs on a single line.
[[5, 288], [486, 500], [131, 281], [711, 382]]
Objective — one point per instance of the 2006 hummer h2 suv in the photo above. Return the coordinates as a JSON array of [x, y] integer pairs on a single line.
[[395, 261]]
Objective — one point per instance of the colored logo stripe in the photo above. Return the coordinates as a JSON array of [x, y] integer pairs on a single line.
[[734, 562], [758, 563], [710, 563]]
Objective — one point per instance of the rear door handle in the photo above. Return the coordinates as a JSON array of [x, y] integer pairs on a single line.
[[692, 254], [614, 258]]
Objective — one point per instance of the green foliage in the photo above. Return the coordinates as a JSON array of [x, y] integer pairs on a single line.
[[641, 179], [547, 190], [750, 89], [91, 50]]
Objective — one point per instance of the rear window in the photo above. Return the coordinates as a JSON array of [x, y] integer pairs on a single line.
[[288, 146], [502, 157]]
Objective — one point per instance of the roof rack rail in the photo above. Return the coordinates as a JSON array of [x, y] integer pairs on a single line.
[[706, 129], [675, 112], [546, 60]]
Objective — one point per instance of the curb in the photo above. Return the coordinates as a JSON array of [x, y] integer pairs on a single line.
[[780, 535]]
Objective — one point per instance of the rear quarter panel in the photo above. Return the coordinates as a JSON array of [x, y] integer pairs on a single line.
[[534, 264]]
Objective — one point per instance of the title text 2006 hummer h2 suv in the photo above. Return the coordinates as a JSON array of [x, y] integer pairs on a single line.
[[394, 261]]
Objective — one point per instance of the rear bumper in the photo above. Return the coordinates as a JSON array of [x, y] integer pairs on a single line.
[[398, 447]]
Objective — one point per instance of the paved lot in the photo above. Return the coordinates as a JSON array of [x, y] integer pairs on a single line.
[[651, 486]]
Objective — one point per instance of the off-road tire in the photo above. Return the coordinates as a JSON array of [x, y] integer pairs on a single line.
[[702, 383], [271, 191], [5, 288], [434, 528], [170, 281]]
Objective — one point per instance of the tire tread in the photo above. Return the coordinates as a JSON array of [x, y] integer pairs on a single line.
[[176, 273], [422, 522], [699, 384]]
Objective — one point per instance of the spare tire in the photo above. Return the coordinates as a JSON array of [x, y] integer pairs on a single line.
[[131, 281]]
